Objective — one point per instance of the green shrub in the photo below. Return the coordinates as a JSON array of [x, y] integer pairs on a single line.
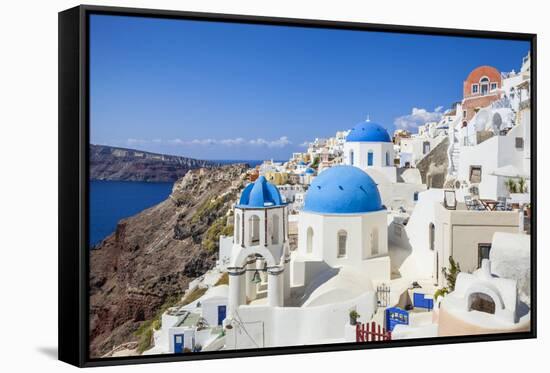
[[223, 280], [450, 275], [145, 341], [211, 239], [193, 295], [145, 330]]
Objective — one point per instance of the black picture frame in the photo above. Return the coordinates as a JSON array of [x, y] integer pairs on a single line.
[[73, 258]]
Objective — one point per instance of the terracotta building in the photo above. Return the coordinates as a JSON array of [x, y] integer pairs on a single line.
[[481, 88]]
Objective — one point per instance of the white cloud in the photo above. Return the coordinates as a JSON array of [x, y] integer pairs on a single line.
[[418, 117], [237, 141], [305, 144], [136, 142]]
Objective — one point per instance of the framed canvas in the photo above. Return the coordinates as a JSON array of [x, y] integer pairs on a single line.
[[234, 186]]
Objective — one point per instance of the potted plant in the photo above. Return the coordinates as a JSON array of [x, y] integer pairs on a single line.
[[519, 194], [353, 316]]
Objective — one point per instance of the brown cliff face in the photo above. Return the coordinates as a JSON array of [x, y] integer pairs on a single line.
[[120, 164], [156, 253]]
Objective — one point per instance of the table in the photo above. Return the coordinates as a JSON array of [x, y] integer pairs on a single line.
[[489, 204]]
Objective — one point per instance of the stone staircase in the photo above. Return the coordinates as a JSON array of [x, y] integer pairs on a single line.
[[455, 158]]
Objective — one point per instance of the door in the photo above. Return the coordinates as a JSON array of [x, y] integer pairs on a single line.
[[221, 314], [370, 158], [178, 343]]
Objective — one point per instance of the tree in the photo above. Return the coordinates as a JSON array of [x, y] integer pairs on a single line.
[[450, 275]]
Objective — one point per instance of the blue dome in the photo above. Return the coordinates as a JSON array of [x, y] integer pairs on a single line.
[[301, 163], [343, 190], [310, 171], [260, 193], [368, 132]]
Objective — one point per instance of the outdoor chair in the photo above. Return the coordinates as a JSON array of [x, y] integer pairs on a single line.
[[502, 204], [473, 204]]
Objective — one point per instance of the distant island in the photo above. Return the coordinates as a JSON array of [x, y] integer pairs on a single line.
[[121, 164]]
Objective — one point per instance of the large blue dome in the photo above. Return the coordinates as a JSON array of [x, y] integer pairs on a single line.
[[343, 190], [260, 193], [368, 132]]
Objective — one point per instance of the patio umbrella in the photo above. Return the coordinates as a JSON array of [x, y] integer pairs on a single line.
[[510, 171]]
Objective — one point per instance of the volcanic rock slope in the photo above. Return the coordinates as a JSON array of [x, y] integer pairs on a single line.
[[156, 253]]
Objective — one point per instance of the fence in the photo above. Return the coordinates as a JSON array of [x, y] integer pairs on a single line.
[[371, 332]]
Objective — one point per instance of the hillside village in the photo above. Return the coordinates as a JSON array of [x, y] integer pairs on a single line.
[[370, 236]]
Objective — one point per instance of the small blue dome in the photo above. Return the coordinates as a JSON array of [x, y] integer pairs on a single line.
[[368, 132], [310, 171], [343, 190], [260, 193], [301, 163]]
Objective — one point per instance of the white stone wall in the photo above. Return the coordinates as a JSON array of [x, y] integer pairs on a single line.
[[496, 152], [290, 326], [209, 309]]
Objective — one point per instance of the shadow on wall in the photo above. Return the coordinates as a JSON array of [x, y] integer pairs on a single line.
[[399, 249], [316, 274]]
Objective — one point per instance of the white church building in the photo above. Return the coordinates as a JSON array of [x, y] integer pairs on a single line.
[[369, 147], [279, 298]]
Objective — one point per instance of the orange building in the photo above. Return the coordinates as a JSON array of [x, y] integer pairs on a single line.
[[481, 89]]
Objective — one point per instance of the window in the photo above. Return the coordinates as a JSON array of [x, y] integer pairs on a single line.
[[351, 157], [342, 238], [370, 158], [475, 88], [254, 229], [238, 228], [374, 241], [475, 174], [415, 196], [483, 250], [309, 246], [275, 230], [493, 86], [484, 85], [519, 142], [432, 236], [425, 147]]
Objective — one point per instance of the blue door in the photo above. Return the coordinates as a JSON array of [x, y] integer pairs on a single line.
[[395, 316], [178, 343], [421, 301], [221, 314], [370, 159]]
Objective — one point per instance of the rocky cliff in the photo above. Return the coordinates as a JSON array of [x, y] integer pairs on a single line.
[[155, 254], [109, 163]]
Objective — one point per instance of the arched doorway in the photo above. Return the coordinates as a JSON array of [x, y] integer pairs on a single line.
[[309, 243], [432, 236], [275, 230], [342, 243], [481, 302], [238, 229], [374, 241], [370, 158], [254, 230]]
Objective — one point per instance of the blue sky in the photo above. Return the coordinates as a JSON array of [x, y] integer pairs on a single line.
[[232, 91]]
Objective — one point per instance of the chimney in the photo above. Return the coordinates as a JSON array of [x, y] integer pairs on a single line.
[[486, 268]]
